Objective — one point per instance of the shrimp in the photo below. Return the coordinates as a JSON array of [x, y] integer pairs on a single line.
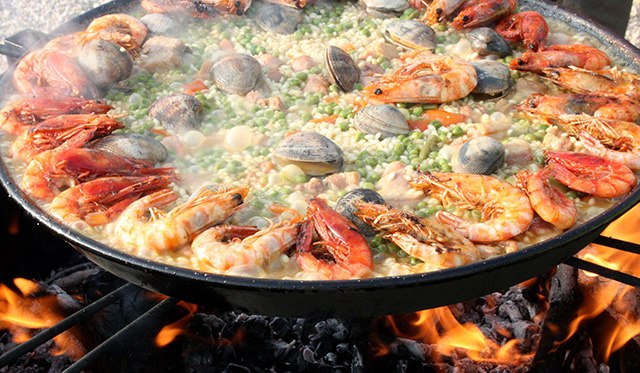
[[99, 201], [49, 73], [577, 55], [202, 8], [439, 10], [436, 244], [587, 81], [476, 13], [122, 29], [143, 226], [347, 253], [54, 131], [299, 4], [529, 27], [547, 200], [506, 210], [597, 148], [21, 115], [55, 170], [590, 174], [606, 106], [224, 248], [425, 78]]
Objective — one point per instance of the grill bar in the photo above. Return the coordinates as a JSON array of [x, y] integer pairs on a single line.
[[622, 277], [152, 314], [618, 244], [64, 325]]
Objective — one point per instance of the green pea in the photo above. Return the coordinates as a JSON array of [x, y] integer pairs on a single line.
[[436, 124], [530, 137], [334, 88], [365, 32], [441, 39], [418, 110], [368, 185], [457, 131], [302, 76], [343, 126]]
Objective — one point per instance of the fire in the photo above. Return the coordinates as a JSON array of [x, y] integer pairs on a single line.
[[170, 332], [21, 312]]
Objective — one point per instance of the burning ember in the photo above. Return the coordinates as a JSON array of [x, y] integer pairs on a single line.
[[22, 311]]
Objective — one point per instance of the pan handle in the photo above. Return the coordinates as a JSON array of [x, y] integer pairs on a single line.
[[11, 49]]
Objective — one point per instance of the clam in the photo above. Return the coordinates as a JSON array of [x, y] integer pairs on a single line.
[[486, 41], [160, 24], [178, 112], [315, 154], [105, 63], [132, 145], [493, 77], [387, 120], [343, 71], [161, 53], [236, 73], [411, 34], [384, 7], [481, 155], [277, 18], [346, 207]]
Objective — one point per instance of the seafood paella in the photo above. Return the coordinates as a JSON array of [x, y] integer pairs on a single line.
[[323, 140]]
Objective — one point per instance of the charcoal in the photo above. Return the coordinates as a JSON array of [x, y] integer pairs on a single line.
[[342, 348], [511, 310], [525, 330], [235, 368], [279, 327], [408, 349], [330, 358], [321, 344], [256, 328]]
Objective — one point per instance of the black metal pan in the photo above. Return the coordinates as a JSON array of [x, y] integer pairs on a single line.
[[352, 298]]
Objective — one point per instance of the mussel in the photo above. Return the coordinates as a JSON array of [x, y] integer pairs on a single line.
[[486, 41], [315, 154], [132, 145], [387, 120], [277, 18], [160, 24], [237, 73], [105, 63], [493, 77], [343, 71], [346, 207], [411, 34], [481, 155], [178, 112]]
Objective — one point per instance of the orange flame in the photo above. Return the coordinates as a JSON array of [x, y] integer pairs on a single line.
[[21, 312], [170, 332]]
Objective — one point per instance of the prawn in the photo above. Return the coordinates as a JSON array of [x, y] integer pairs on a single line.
[[144, 226], [49, 73], [506, 210], [55, 170], [99, 201], [606, 106], [224, 247], [21, 115], [425, 78], [439, 10], [529, 27], [122, 29], [347, 253], [476, 13], [581, 56], [593, 146], [53, 132], [590, 174], [586, 81], [202, 8], [436, 244], [548, 201]]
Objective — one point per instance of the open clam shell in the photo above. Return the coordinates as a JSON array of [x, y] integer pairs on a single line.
[[315, 154]]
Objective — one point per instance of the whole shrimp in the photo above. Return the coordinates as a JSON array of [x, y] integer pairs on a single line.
[[629, 157], [53, 132], [122, 29], [342, 254], [476, 13], [436, 244], [143, 226], [581, 56], [425, 78], [506, 210], [590, 174], [440, 10], [197, 8], [548, 201], [226, 248], [529, 27], [21, 115], [49, 73], [52, 171], [99, 201], [598, 81], [606, 106]]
